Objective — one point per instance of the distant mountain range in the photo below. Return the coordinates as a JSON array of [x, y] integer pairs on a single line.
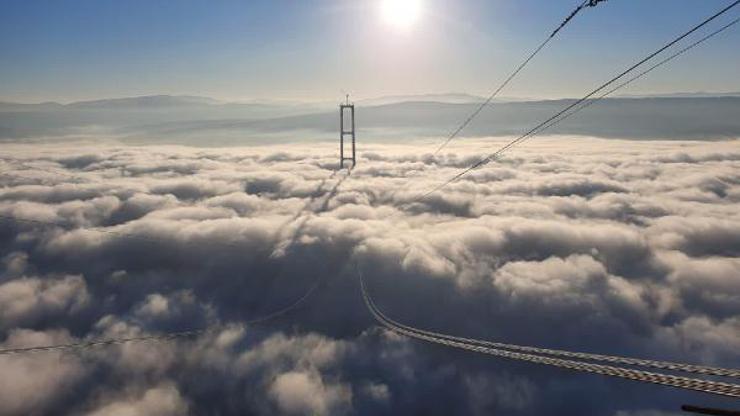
[[203, 120], [172, 101], [148, 102], [450, 98], [683, 95]]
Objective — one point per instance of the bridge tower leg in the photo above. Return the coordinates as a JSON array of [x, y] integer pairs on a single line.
[[346, 129]]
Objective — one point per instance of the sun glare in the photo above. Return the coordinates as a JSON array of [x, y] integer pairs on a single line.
[[401, 13]]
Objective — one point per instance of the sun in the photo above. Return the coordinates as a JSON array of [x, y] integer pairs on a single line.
[[401, 14]]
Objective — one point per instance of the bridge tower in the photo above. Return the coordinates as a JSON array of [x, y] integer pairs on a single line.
[[346, 129]]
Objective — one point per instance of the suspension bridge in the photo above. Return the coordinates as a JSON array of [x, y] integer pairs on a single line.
[[685, 376]]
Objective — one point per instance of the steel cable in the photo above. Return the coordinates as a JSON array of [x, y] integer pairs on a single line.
[[487, 101], [578, 102], [664, 365], [706, 386], [161, 337], [593, 101]]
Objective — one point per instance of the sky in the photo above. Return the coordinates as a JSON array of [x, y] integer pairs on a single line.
[[317, 50]]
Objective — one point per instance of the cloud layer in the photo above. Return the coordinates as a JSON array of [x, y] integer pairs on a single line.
[[607, 246]]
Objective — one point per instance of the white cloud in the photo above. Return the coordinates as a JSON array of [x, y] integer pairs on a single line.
[[306, 393], [164, 400], [27, 299], [606, 246], [34, 384]]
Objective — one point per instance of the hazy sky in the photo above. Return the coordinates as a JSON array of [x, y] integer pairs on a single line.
[[281, 49]]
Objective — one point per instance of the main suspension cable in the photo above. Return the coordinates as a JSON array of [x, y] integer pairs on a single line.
[[487, 101], [705, 386], [578, 102]]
